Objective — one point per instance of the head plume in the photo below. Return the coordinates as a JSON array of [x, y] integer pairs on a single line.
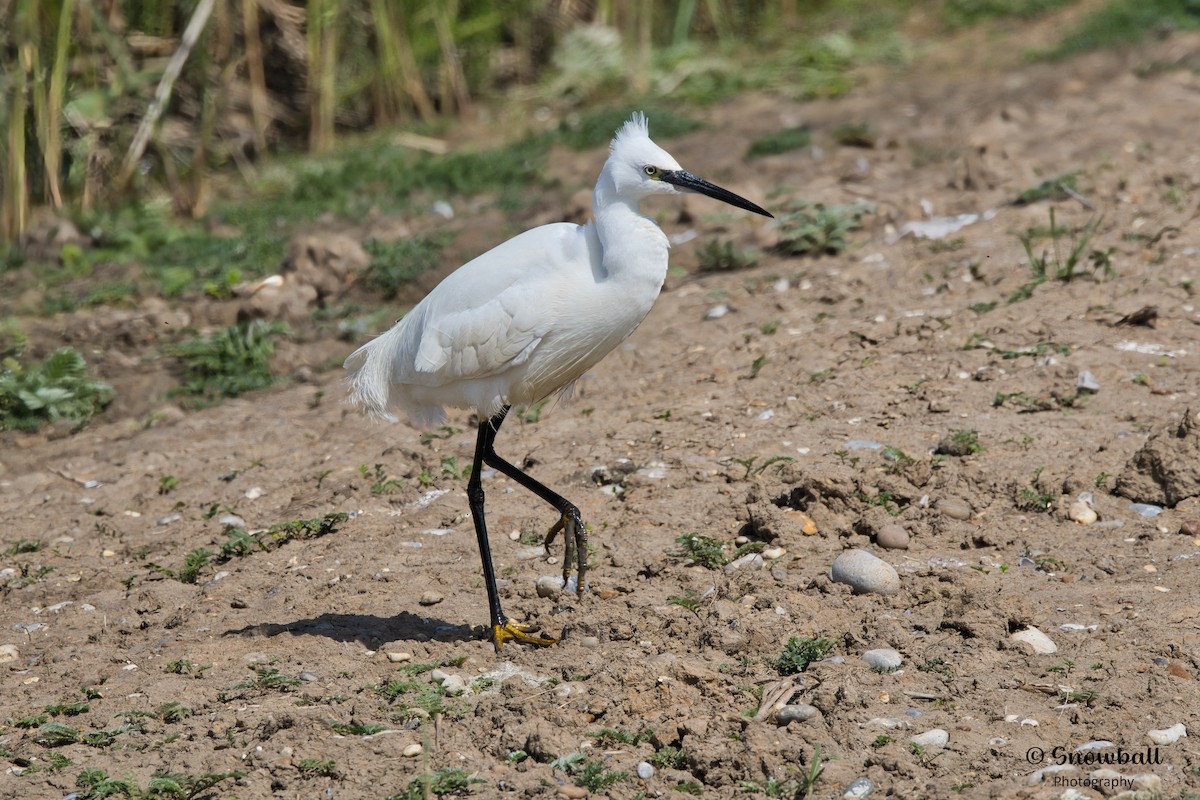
[[637, 126]]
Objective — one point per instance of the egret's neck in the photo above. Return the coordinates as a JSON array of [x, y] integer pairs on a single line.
[[634, 247]]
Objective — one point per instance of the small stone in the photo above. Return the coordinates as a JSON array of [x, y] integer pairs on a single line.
[[1168, 735], [549, 586], [1146, 509], [1081, 511], [752, 561], [954, 508], [399, 658], [1179, 671], [1086, 382], [454, 685], [9, 652], [892, 536], [572, 792], [883, 659], [807, 526], [308, 677], [430, 599], [858, 789], [254, 492], [589, 642], [530, 553], [1040, 642], [231, 521], [773, 553], [717, 311], [1190, 527], [936, 738], [645, 771], [413, 750], [865, 573], [798, 712]]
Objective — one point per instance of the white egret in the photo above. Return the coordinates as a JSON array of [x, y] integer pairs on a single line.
[[525, 320]]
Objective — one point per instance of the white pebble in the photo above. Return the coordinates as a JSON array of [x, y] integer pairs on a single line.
[[865, 573], [1039, 641], [1168, 735], [454, 685], [397, 658], [858, 789], [530, 553], [717, 311], [1082, 512], [750, 560], [413, 750], [773, 553], [883, 659], [645, 771], [934, 738], [8, 652]]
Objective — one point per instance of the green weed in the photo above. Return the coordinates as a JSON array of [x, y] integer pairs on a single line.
[[816, 229], [394, 264], [721, 255], [57, 388], [782, 141], [799, 653], [703, 551], [439, 784], [230, 362], [23, 546]]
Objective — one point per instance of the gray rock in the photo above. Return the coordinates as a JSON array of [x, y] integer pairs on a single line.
[[1040, 642], [645, 771], [954, 508], [430, 599], [883, 659], [936, 738], [799, 712], [858, 789], [549, 586], [865, 573], [893, 537]]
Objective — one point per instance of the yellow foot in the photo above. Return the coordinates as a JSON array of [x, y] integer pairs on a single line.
[[519, 632], [576, 555]]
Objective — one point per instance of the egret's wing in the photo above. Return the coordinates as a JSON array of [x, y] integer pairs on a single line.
[[491, 314], [480, 340]]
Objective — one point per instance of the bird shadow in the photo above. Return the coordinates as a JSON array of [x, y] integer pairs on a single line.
[[373, 632]]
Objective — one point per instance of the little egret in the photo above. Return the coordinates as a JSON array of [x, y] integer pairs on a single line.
[[525, 320]]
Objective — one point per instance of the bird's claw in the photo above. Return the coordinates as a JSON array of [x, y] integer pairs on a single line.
[[575, 540], [519, 632]]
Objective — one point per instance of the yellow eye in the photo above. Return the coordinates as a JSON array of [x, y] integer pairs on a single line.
[[651, 171]]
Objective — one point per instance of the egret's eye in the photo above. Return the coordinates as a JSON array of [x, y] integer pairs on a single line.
[[652, 171]]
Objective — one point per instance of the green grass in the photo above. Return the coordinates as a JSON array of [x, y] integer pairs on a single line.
[[799, 653], [444, 782], [703, 551], [964, 13], [1125, 22], [719, 255], [816, 229], [228, 363], [781, 141], [57, 388], [394, 264]]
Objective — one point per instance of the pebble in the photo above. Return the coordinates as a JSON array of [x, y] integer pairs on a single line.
[[168, 519], [1086, 382], [398, 658], [865, 572], [1190, 527], [773, 553], [413, 750], [934, 738], [645, 771], [231, 521], [954, 508], [1081, 510], [549, 585], [570, 791], [530, 553], [892, 536], [589, 642], [858, 789], [751, 560], [9, 652], [1145, 509], [308, 677], [454, 685], [430, 599], [800, 712], [254, 492], [1040, 642], [883, 659], [807, 526], [1168, 735], [717, 311], [861, 444]]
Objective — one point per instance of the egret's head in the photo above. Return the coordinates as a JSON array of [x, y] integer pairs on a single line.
[[640, 168]]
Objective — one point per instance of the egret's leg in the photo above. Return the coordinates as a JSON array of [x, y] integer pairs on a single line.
[[569, 521], [503, 628]]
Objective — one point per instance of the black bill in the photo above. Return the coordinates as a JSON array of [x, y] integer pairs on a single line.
[[690, 183]]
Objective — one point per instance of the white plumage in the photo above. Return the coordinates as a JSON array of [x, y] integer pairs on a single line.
[[526, 319]]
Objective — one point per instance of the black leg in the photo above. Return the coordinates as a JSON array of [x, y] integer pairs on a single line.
[[503, 628], [569, 522]]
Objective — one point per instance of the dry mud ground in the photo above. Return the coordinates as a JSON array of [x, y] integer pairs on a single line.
[[880, 344]]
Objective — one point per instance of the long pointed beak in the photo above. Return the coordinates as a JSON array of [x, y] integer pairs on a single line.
[[690, 183]]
